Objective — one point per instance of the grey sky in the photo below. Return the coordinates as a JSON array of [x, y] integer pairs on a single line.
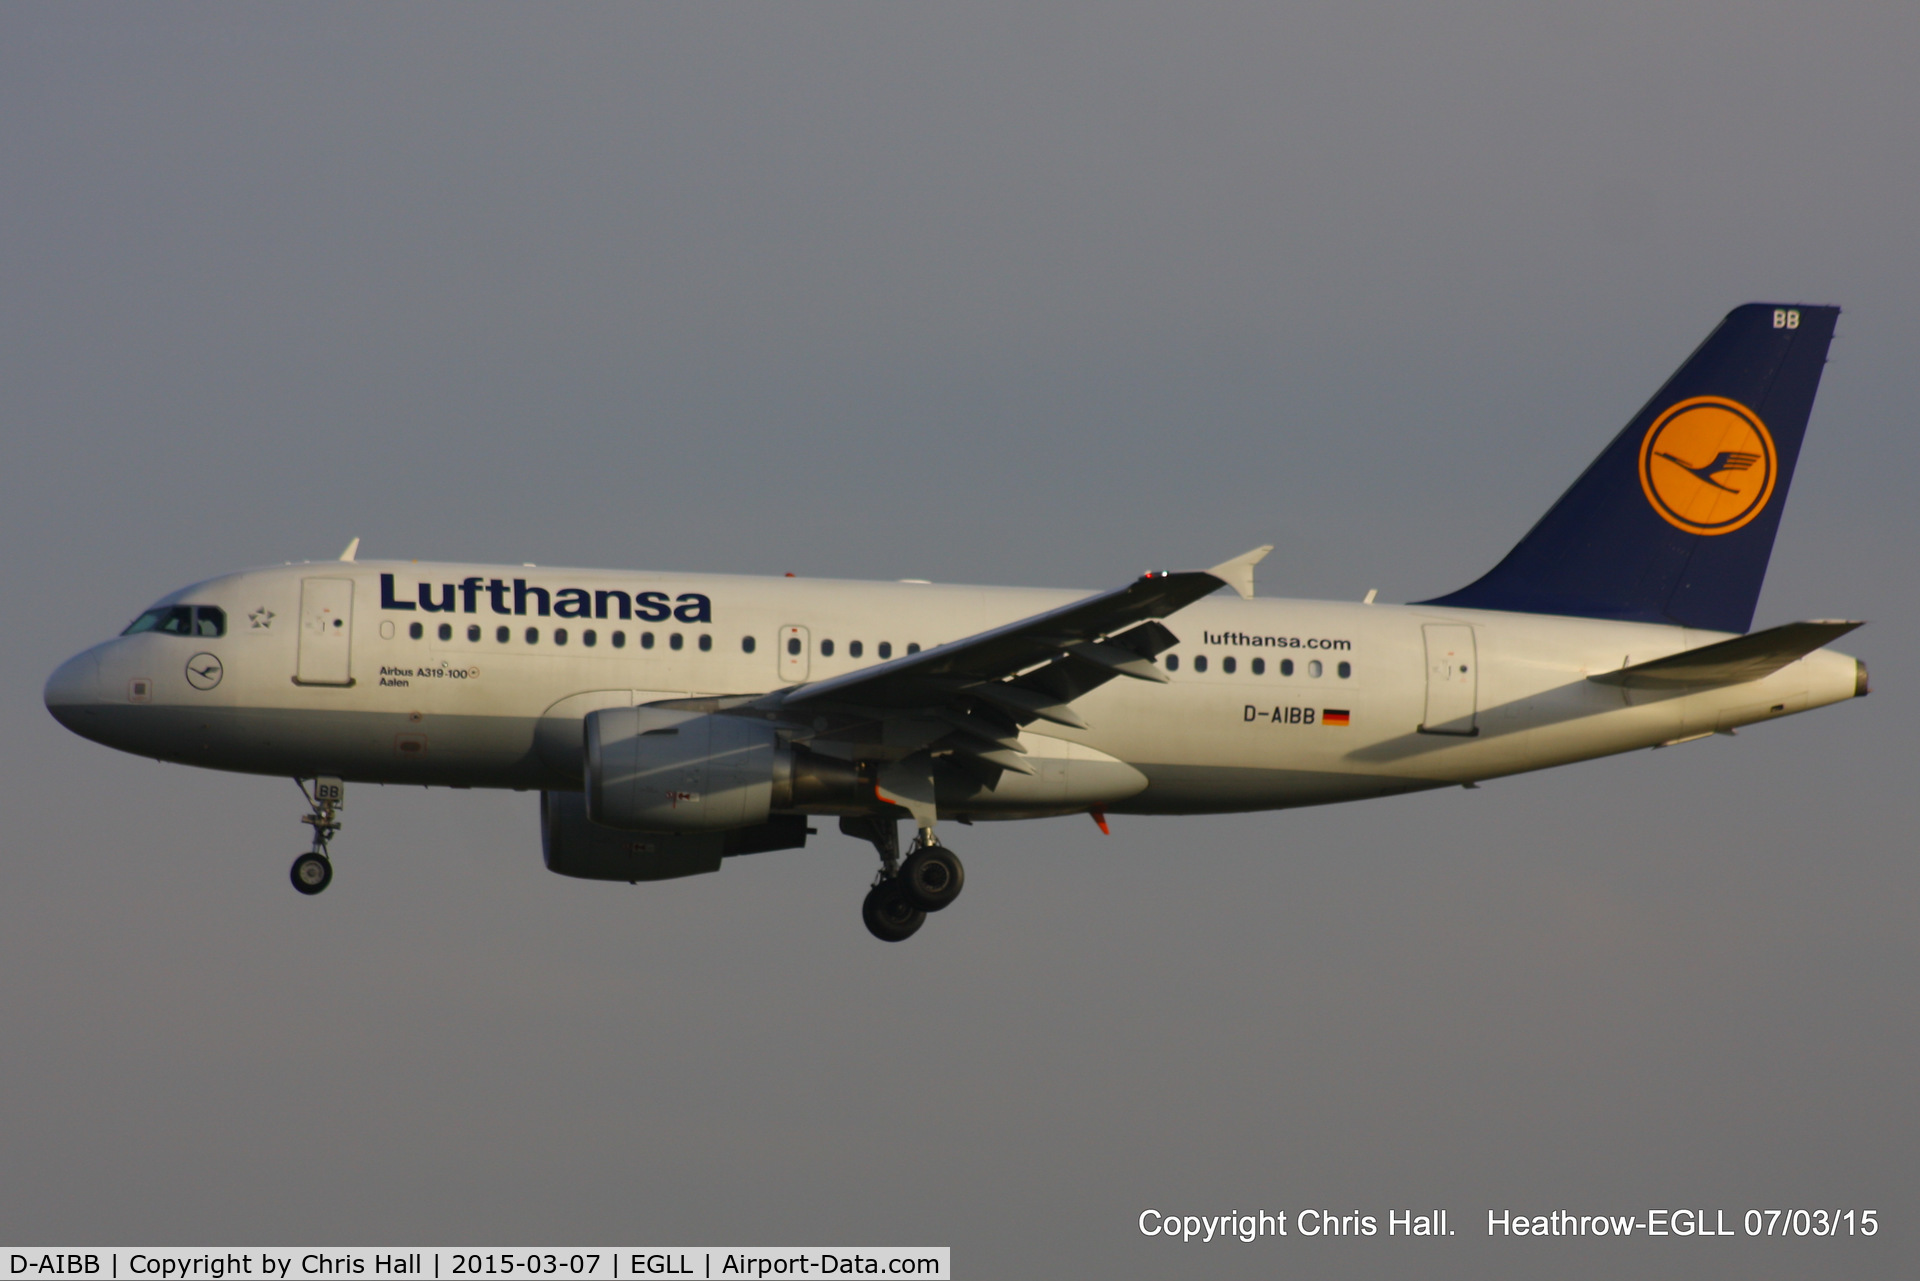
[[972, 293]]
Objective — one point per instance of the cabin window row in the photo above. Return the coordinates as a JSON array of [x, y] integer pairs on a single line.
[[1229, 665], [855, 649], [590, 638]]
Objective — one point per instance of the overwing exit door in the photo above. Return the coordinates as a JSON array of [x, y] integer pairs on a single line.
[[1453, 680], [326, 632]]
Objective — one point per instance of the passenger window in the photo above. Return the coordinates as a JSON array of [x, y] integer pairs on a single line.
[[1173, 662], [1199, 662], [646, 640], [1313, 668], [502, 634], [619, 640], [446, 631], [1227, 664], [826, 649], [415, 630], [746, 644], [676, 640], [886, 649], [209, 620], [706, 642], [473, 631], [589, 638], [1259, 667], [533, 635], [1286, 667], [1345, 670], [855, 649], [559, 635], [913, 647]]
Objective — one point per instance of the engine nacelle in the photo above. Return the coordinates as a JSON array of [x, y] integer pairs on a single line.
[[575, 845], [660, 769]]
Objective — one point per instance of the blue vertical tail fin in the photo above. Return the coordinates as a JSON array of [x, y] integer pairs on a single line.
[[1674, 522]]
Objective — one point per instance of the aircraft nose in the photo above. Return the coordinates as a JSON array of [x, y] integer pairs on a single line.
[[73, 687]]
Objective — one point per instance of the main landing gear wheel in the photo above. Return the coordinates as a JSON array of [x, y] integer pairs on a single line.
[[890, 915], [312, 872], [932, 877]]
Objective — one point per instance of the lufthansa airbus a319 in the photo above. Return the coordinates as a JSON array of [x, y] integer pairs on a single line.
[[672, 721]]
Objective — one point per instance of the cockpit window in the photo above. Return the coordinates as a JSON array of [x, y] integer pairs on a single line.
[[174, 619], [181, 620]]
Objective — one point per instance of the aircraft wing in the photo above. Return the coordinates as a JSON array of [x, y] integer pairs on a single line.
[[1730, 662], [972, 696]]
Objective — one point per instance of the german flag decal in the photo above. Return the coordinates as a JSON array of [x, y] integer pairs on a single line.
[[1334, 716]]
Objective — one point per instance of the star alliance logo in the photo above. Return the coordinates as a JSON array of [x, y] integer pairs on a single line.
[[261, 618]]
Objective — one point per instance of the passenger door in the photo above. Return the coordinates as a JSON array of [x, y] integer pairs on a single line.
[[326, 632], [1453, 680]]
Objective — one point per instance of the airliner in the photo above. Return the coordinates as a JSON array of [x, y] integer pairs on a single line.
[[672, 721]]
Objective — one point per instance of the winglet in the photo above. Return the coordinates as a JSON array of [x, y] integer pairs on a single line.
[[353, 549], [1238, 572]]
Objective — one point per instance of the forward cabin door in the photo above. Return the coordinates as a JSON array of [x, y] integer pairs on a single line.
[[326, 632], [1453, 680], [794, 655]]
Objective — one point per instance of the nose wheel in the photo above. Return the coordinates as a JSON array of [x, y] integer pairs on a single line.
[[313, 871]]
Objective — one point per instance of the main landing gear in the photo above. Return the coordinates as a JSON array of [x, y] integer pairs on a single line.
[[929, 879], [313, 871]]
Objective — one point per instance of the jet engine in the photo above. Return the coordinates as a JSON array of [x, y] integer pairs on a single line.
[[673, 769]]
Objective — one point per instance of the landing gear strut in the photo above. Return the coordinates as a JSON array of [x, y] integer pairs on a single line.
[[313, 871], [904, 892]]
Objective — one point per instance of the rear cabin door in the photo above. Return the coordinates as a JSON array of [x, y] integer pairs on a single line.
[[1453, 677], [326, 632], [794, 655]]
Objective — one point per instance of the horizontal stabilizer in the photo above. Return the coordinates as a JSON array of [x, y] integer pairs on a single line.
[[1730, 662]]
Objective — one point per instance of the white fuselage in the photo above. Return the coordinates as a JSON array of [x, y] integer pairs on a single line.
[[319, 673]]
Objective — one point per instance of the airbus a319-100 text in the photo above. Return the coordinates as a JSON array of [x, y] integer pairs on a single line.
[[671, 721]]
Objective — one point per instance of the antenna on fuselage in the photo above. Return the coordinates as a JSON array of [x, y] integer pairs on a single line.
[[353, 549]]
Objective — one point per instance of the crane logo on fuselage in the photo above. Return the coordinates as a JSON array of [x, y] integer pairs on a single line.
[[519, 598], [1708, 465], [204, 671]]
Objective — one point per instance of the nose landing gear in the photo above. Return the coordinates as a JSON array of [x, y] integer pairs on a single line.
[[313, 871]]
